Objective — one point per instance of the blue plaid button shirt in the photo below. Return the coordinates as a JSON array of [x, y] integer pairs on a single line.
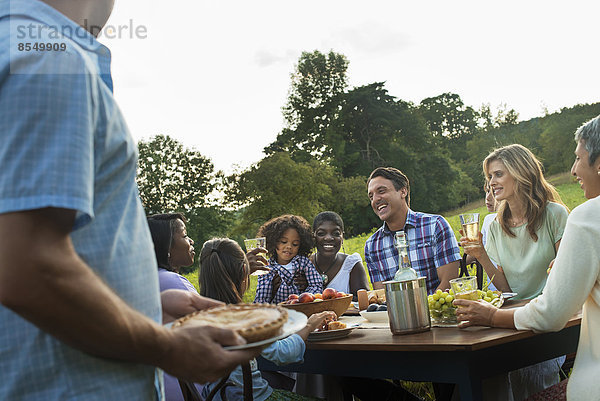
[[302, 265], [431, 244]]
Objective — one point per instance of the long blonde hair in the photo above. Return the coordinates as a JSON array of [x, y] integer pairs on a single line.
[[531, 187]]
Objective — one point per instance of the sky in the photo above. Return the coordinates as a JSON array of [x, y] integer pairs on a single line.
[[215, 74]]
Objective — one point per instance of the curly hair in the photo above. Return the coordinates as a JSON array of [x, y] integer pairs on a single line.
[[273, 230]]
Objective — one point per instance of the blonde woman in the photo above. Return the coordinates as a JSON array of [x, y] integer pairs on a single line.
[[524, 237]]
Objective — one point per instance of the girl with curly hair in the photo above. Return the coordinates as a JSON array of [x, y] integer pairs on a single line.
[[289, 242]]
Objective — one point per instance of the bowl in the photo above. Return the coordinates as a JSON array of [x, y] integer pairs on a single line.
[[338, 305], [376, 317]]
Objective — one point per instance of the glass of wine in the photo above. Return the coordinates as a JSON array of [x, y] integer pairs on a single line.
[[470, 226], [253, 243], [465, 288]]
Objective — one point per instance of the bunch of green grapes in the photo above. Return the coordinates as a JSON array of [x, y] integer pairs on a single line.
[[440, 306], [442, 310], [490, 296]]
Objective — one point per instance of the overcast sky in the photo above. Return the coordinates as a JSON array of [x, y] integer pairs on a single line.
[[215, 74]]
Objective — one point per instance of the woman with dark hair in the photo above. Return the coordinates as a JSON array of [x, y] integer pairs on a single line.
[[174, 250], [339, 270]]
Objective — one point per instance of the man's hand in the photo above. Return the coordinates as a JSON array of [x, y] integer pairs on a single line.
[[196, 353], [474, 313], [256, 260], [178, 303]]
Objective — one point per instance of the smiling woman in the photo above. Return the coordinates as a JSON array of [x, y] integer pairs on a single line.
[[339, 270]]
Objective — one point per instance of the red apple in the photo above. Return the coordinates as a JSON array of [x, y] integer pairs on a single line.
[[329, 293], [340, 294], [292, 301], [306, 297], [293, 296]]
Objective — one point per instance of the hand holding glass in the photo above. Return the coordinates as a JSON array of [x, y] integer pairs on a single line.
[[253, 243], [465, 288], [470, 226]]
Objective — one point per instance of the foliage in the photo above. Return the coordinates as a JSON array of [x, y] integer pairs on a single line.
[[171, 177], [317, 84], [278, 185]]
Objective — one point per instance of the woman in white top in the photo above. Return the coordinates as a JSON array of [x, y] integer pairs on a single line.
[[339, 270], [574, 281]]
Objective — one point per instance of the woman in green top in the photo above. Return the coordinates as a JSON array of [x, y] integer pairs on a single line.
[[523, 240], [525, 235]]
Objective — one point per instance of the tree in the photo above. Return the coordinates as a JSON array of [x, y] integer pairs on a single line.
[[278, 185], [171, 177], [317, 84], [450, 121]]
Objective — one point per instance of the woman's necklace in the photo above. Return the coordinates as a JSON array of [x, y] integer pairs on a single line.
[[324, 272]]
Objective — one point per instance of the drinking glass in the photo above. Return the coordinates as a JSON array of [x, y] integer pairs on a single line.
[[465, 288], [470, 226], [253, 243]]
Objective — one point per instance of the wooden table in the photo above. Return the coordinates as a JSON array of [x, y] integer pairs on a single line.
[[446, 355]]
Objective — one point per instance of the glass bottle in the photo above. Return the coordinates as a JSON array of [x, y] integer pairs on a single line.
[[405, 270]]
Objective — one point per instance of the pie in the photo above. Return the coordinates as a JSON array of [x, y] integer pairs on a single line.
[[254, 322], [336, 325]]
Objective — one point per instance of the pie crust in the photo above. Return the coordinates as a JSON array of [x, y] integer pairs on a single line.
[[254, 322]]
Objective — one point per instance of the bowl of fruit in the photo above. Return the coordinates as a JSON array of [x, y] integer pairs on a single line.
[[443, 312], [376, 313], [309, 304]]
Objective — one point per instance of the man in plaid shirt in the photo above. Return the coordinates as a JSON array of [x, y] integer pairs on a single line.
[[433, 248]]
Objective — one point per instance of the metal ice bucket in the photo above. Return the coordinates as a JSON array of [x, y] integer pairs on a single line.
[[407, 306]]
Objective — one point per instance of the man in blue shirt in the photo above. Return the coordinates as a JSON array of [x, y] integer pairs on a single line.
[[79, 297], [433, 249]]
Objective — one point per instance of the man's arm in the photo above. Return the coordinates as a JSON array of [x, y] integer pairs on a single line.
[[446, 273], [44, 280]]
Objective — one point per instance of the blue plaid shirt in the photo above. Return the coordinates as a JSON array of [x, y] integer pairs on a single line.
[[65, 144], [302, 265], [431, 244]]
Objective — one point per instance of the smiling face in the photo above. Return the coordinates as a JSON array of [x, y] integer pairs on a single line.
[[387, 202], [500, 181], [328, 238], [182, 247], [287, 246], [586, 174]]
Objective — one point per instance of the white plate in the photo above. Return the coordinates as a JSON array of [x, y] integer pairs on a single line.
[[330, 334], [296, 321], [375, 317]]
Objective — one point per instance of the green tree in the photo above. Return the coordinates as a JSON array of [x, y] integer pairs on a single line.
[[173, 178], [450, 121], [317, 84], [278, 185]]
